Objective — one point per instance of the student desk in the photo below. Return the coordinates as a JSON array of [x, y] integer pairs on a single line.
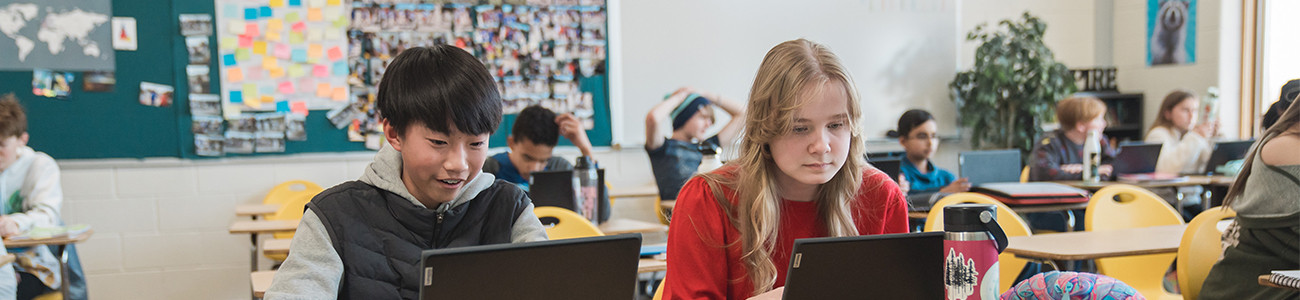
[[61, 244], [255, 227], [667, 204], [621, 226], [255, 210], [1085, 245], [276, 247], [1210, 180], [639, 191]]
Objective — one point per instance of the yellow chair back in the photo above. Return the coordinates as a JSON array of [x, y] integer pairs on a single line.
[[659, 291], [285, 191], [291, 210], [1011, 223], [1124, 206], [1200, 249], [569, 224], [1024, 174]]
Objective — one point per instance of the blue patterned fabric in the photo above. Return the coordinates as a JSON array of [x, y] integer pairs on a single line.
[[1071, 285]]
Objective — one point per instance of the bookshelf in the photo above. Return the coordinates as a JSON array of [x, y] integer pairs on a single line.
[[1123, 115]]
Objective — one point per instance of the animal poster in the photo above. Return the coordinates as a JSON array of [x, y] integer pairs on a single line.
[[1171, 32]]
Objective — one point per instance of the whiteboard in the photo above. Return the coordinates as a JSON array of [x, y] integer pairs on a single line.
[[901, 54]]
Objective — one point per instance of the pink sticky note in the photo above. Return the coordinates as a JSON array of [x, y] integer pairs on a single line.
[[254, 72], [298, 107], [323, 90], [335, 54], [320, 71], [299, 27], [282, 51], [245, 41], [286, 88], [251, 30]]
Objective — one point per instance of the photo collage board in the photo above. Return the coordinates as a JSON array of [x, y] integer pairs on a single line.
[[535, 50]]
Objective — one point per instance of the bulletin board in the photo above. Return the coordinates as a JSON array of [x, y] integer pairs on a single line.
[[113, 124]]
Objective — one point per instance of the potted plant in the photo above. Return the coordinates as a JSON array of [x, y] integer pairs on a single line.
[[1013, 86]]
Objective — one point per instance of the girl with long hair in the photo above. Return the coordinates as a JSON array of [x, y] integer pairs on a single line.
[[800, 173]]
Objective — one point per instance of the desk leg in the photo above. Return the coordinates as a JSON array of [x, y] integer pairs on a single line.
[[63, 271], [252, 256]]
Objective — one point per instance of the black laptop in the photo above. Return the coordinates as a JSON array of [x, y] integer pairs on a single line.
[[1137, 158], [601, 267], [1225, 152], [889, 266], [555, 188], [891, 166], [989, 166]]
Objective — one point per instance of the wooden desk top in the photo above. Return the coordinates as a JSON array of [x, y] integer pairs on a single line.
[[647, 265], [276, 246], [667, 204], [261, 281], [1084, 245], [263, 226], [639, 191], [620, 226], [1191, 180], [244, 210], [58, 240]]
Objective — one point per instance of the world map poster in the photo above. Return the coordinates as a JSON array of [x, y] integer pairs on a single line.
[[70, 35]]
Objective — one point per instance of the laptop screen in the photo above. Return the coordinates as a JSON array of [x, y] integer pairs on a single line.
[[555, 188], [596, 268], [980, 167], [889, 266], [1225, 152], [1136, 158]]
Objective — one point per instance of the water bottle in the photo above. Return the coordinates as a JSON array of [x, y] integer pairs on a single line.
[[972, 241], [1092, 157], [710, 160], [586, 188]]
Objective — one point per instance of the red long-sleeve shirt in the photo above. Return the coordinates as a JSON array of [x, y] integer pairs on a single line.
[[704, 248]]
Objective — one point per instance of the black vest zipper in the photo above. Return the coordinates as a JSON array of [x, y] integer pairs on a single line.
[[437, 229]]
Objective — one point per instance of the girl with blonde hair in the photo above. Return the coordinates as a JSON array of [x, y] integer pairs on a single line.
[[800, 173]]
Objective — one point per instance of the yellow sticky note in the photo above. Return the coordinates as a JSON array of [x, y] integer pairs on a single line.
[[232, 111], [269, 63], [259, 48], [314, 51], [323, 90], [234, 74], [273, 36], [276, 72], [229, 43], [296, 71], [295, 38], [242, 54], [315, 3], [331, 13], [313, 14], [315, 35], [291, 17], [335, 2], [340, 94], [274, 25], [254, 102], [333, 35], [276, 3], [237, 27]]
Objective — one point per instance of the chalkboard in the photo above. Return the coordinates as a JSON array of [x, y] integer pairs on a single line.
[[87, 125]]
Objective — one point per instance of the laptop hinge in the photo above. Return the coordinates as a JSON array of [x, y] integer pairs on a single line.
[[797, 257]]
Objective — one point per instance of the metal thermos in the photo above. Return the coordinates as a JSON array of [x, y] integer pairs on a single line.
[[972, 241]]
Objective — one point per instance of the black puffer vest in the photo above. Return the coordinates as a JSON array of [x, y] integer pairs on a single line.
[[379, 235]]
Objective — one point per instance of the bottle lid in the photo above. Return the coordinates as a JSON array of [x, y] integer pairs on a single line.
[[967, 217], [709, 148]]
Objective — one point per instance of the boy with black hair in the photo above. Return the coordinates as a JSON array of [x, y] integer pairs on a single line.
[[362, 239], [536, 132]]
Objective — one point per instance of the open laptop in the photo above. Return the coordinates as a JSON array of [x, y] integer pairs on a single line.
[[601, 267], [1225, 152], [892, 166], [889, 266], [1136, 159], [555, 188], [989, 166]]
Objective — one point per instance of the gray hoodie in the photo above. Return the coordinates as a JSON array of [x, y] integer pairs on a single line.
[[313, 268]]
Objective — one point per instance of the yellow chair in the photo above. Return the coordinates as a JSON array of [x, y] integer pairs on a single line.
[[569, 224], [285, 191], [659, 291], [1011, 223], [1200, 249], [1124, 206], [660, 211], [1024, 174], [291, 210]]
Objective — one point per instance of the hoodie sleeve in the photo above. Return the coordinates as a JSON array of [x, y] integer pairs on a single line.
[[43, 194], [527, 228], [313, 269]]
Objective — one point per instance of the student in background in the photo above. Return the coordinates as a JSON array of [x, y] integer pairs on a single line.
[[1187, 144], [919, 135], [533, 137], [425, 189], [674, 159], [1265, 236], [1059, 156], [33, 197], [800, 174]]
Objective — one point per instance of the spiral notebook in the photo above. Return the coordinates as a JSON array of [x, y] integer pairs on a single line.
[[1286, 278]]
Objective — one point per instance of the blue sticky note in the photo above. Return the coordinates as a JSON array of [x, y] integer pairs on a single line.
[[265, 11], [236, 97], [295, 2], [268, 90], [299, 55], [340, 68], [250, 14], [228, 60], [282, 106], [230, 10]]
